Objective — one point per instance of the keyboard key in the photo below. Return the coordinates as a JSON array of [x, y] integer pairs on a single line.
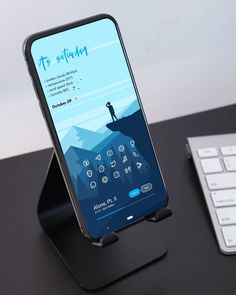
[[211, 165], [207, 152], [221, 180], [228, 150], [229, 234], [224, 198], [226, 215], [230, 163]]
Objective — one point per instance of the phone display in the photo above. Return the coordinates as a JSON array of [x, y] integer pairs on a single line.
[[91, 104]]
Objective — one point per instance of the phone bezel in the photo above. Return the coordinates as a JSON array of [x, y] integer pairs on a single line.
[[49, 121]]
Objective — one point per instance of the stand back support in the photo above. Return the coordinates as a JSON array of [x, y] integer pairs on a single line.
[[93, 267]]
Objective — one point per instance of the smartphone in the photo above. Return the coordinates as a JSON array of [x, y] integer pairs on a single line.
[[89, 99]]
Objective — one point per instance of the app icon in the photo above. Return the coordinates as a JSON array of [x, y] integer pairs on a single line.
[[136, 154], [89, 173], [132, 143], [128, 170], [92, 184], [121, 148], [124, 159], [101, 168], [109, 153], [98, 157], [86, 162], [138, 164], [116, 174], [104, 179], [113, 163]]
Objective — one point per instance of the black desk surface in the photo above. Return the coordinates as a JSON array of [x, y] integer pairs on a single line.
[[193, 265]]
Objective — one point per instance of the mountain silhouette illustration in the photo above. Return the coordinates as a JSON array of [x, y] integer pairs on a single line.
[[108, 141], [75, 157], [81, 138], [132, 108]]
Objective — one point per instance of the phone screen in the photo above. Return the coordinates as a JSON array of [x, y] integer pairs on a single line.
[[99, 122]]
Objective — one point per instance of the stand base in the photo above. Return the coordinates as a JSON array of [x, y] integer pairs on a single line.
[[93, 267]]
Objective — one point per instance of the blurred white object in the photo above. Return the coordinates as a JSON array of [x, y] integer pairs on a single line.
[[182, 54]]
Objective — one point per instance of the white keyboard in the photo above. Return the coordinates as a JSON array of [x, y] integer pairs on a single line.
[[215, 160]]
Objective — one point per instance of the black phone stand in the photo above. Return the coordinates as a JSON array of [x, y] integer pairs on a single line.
[[94, 265]]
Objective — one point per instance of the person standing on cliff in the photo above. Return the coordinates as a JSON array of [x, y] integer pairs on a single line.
[[112, 111]]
